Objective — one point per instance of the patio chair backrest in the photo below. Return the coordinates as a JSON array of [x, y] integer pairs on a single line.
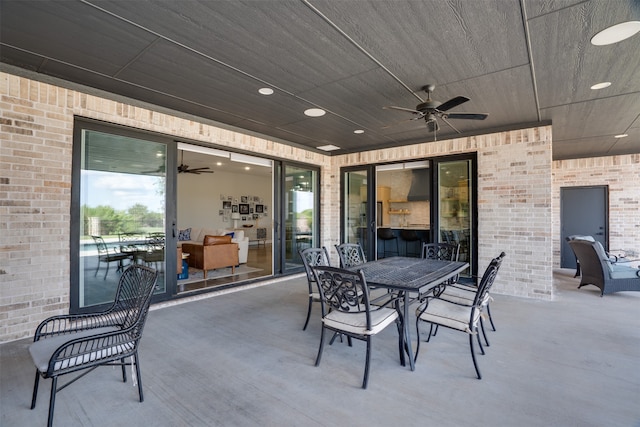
[[351, 254], [342, 290], [312, 257]]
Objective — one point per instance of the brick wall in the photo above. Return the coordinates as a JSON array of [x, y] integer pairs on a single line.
[[514, 206], [622, 175], [517, 211]]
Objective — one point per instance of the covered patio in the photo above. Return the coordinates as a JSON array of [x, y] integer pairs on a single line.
[[242, 359]]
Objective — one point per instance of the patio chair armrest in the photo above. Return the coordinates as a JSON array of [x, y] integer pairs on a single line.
[[72, 323]]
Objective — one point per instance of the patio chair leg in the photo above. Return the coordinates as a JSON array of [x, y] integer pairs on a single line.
[[366, 365], [319, 356], [473, 356], [35, 390], [124, 369], [431, 332], [418, 343], [306, 322], [486, 341], [477, 334], [135, 359], [107, 271], [490, 317], [52, 400]]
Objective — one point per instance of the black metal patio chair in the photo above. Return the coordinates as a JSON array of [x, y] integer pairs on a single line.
[[312, 257], [344, 299], [73, 343], [465, 318]]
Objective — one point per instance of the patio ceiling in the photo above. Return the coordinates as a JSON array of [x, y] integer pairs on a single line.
[[523, 62]]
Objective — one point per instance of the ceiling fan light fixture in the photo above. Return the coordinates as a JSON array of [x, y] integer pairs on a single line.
[[616, 33], [600, 85]]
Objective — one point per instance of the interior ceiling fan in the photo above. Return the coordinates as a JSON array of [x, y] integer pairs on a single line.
[[185, 168], [432, 110]]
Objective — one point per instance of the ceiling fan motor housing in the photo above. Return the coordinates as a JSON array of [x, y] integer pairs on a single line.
[[428, 105]]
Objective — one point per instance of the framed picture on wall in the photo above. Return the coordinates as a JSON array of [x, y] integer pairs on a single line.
[[226, 204], [244, 208], [243, 199], [234, 208], [259, 208]]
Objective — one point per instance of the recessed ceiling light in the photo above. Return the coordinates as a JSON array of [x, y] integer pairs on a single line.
[[219, 164], [247, 168], [622, 135], [616, 33], [265, 91], [315, 112], [358, 131], [329, 147], [601, 85]]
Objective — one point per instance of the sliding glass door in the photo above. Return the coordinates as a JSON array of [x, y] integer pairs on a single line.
[[359, 204], [456, 220], [120, 213], [299, 213]]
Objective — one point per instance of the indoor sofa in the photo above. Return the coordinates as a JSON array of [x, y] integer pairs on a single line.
[[195, 235], [214, 252]]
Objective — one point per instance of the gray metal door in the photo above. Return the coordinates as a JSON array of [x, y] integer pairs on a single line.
[[583, 210]]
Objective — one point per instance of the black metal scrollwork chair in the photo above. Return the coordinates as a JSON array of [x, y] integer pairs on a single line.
[[313, 257], [83, 342], [441, 251], [105, 255], [351, 255], [464, 318], [344, 298]]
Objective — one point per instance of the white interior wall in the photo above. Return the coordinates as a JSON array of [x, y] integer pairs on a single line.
[[199, 200]]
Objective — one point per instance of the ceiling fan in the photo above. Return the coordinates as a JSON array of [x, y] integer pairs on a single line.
[[432, 110], [185, 168]]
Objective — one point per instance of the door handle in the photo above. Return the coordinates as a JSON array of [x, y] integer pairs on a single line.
[[372, 226]]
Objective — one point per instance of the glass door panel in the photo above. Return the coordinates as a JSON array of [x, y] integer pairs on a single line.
[[358, 221], [300, 219], [122, 212], [455, 211]]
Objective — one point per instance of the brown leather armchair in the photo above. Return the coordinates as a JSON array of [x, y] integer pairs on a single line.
[[214, 252]]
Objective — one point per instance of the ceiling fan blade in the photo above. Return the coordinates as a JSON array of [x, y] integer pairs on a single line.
[[411, 110], [453, 102], [468, 116], [444, 119]]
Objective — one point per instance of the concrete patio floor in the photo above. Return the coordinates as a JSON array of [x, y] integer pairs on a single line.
[[242, 359]]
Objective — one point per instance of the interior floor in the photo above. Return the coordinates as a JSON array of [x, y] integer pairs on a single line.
[[259, 256]]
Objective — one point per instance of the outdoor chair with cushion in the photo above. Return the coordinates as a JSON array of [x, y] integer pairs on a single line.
[[460, 317], [598, 269], [312, 257], [72, 343], [344, 300]]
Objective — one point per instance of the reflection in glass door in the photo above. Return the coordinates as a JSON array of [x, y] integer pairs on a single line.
[[122, 218], [456, 208], [300, 213], [358, 222]]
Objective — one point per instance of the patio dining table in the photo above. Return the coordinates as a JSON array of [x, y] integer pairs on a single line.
[[408, 276]]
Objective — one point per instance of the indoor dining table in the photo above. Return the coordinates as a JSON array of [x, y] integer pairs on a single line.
[[408, 276]]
